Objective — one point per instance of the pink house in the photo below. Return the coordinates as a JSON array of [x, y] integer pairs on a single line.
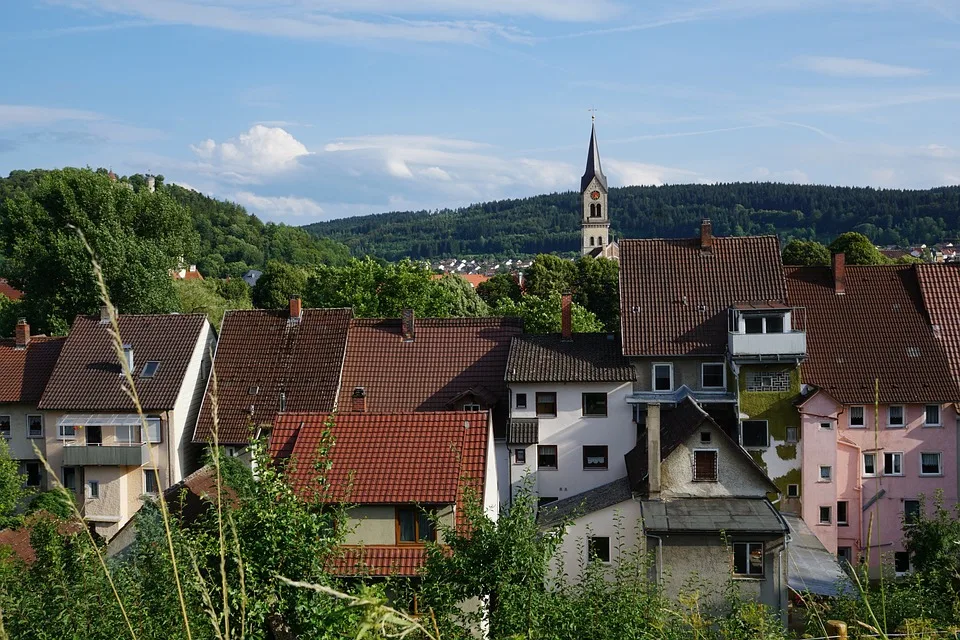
[[878, 418]]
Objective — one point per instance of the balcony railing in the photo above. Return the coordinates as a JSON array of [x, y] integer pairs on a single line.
[[767, 345], [116, 455]]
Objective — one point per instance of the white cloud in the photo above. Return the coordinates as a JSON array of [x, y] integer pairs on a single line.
[[436, 173], [260, 151], [274, 207], [16, 115], [855, 67], [643, 174]]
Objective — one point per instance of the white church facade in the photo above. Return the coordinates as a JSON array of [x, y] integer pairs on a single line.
[[595, 214]]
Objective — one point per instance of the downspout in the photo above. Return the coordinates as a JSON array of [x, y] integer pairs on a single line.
[[169, 452]]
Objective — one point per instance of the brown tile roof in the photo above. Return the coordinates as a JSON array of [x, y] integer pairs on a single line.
[[448, 357], [878, 329], [8, 291], [674, 297], [586, 357], [262, 351], [18, 540], [940, 285], [24, 372], [87, 375], [387, 458], [378, 561]]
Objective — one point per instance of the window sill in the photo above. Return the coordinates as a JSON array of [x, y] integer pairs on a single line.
[[824, 524], [824, 481], [857, 426], [594, 415], [40, 437], [893, 475], [740, 578], [595, 468], [696, 480], [896, 426], [933, 426], [546, 468], [546, 415], [931, 475]]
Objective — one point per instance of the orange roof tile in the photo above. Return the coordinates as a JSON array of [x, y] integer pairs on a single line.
[[24, 373], [940, 285], [379, 561]]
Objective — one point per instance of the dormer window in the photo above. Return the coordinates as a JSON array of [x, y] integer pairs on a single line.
[[150, 369]]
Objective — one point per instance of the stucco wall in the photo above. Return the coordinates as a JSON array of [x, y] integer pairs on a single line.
[[820, 448], [377, 524], [21, 446], [686, 371], [620, 522], [186, 409]]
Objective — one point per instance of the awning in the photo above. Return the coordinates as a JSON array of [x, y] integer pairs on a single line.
[[811, 567], [101, 419]]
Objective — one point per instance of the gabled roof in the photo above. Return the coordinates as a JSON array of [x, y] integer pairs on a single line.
[[261, 354], [447, 357], [878, 329], [585, 357], [940, 286], [593, 169], [674, 297], [387, 458], [87, 374], [9, 291], [24, 372]]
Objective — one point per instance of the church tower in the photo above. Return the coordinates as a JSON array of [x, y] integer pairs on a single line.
[[595, 216]]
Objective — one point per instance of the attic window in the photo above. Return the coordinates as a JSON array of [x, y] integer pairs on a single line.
[[705, 437], [252, 391], [150, 369], [913, 352]]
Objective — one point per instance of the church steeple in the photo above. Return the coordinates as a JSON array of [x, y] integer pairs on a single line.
[[593, 169], [595, 219]]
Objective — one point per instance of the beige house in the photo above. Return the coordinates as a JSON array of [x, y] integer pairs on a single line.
[[102, 449]]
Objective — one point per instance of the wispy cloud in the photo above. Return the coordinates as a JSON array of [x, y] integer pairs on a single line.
[[855, 67], [627, 173], [274, 207], [18, 115]]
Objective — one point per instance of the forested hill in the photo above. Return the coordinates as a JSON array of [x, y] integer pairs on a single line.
[[551, 223]]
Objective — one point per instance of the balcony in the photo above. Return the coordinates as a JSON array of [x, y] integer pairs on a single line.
[[766, 332], [767, 346], [125, 455]]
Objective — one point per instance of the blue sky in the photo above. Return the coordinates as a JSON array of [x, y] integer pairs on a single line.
[[306, 110]]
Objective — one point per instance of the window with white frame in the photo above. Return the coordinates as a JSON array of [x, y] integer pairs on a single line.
[[127, 434], [34, 426], [663, 377], [931, 464], [826, 515], [521, 401], [471, 407], [154, 432], [793, 491], [151, 484], [826, 426], [793, 435], [713, 375], [869, 464], [705, 465], [66, 432], [931, 416], [93, 489], [754, 434], [895, 415], [5, 426], [857, 418], [748, 559], [892, 463], [826, 473], [520, 456]]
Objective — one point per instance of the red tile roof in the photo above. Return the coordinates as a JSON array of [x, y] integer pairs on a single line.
[[8, 291], [940, 286], [24, 372], [448, 357], [387, 458], [674, 296], [86, 377], [263, 352], [18, 540], [378, 561], [878, 329]]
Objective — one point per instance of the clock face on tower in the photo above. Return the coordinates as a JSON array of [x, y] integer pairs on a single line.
[[594, 195]]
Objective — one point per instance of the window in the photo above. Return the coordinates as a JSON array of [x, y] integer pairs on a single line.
[[94, 489], [930, 464], [774, 324], [127, 433], [748, 558], [793, 491], [519, 456], [150, 484], [869, 464], [845, 556], [705, 465], [857, 419], [592, 241], [753, 324], [663, 377], [5, 426], [754, 433], [34, 426], [149, 369], [153, 429], [826, 426], [901, 562], [598, 549], [546, 404], [892, 464], [414, 526], [792, 434], [712, 375], [595, 456], [705, 437], [32, 471], [825, 515], [911, 511], [70, 478], [594, 404], [471, 407], [842, 513], [521, 401], [547, 456], [895, 415], [826, 472], [543, 501], [66, 432], [931, 416]]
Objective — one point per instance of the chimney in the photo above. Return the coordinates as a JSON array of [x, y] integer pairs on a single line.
[[128, 355], [359, 400], [566, 316], [839, 273], [706, 236], [23, 333], [296, 309], [408, 325], [653, 450], [104, 314], [151, 184]]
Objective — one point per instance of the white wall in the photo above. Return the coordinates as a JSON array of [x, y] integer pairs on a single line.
[[491, 479], [620, 523], [570, 431], [21, 446], [187, 407]]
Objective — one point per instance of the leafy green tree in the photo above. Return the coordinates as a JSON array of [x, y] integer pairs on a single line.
[[499, 287], [597, 289], [12, 491], [279, 282], [933, 541], [807, 253], [550, 274], [461, 298], [543, 315], [137, 237], [857, 248], [204, 296], [10, 312]]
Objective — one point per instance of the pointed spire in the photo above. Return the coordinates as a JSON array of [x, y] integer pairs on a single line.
[[593, 163]]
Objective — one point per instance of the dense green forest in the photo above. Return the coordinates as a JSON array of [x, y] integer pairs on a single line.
[[551, 223]]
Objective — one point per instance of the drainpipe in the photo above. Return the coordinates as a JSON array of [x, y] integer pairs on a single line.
[[170, 446]]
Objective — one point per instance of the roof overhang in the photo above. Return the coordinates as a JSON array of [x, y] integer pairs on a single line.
[[100, 419], [680, 394]]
